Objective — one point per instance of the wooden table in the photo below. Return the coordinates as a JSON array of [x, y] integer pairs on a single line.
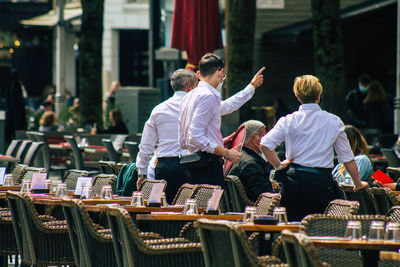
[[56, 201], [8, 159], [132, 209], [369, 248], [269, 227], [184, 217], [10, 187]]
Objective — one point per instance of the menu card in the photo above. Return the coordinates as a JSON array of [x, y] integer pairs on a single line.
[[156, 191], [38, 180], [82, 181], [2, 174], [381, 177], [215, 199]]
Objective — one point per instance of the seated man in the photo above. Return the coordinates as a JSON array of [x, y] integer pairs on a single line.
[[252, 169]]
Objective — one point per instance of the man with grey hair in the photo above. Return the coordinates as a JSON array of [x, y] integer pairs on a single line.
[[162, 128], [252, 169]]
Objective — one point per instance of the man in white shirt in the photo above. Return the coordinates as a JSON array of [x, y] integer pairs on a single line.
[[200, 121], [310, 135], [162, 127]]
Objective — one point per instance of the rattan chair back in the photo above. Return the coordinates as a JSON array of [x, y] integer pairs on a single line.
[[133, 149], [71, 178], [203, 193], [147, 186], [107, 166], [133, 250], [30, 171], [299, 251], [394, 214], [18, 173], [32, 153], [76, 152], [111, 152], [101, 180], [44, 150], [13, 147], [363, 197], [342, 207], [8, 244], [330, 225], [384, 199], [237, 194], [184, 193], [23, 148], [225, 244], [40, 242], [266, 203], [94, 243]]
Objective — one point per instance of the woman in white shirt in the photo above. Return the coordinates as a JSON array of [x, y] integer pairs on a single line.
[[360, 149], [311, 135]]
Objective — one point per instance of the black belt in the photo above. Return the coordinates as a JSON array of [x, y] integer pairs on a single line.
[[311, 169]]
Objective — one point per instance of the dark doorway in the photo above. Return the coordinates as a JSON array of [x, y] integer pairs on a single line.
[[133, 57]]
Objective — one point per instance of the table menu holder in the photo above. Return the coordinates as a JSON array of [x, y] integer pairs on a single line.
[[213, 203], [155, 195]]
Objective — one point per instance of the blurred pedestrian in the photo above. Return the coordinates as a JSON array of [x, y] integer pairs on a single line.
[[354, 100], [48, 122]]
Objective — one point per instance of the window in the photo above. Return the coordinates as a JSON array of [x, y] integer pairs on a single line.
[[270, 4]]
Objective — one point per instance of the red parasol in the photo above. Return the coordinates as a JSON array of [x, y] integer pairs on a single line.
[[196, 28]]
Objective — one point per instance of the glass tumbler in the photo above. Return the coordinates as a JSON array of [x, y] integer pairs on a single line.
[[377, 230], [26, 186], [48, 185], [61, 190], [249, 214], [137, 199], [280, 215], [8, 180], [106, 192], [353, 230], [87, 192], [392, 231], [190, 207]]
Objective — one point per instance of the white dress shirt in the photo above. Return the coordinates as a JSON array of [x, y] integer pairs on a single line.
[[200, 116], [162, 127], [310, 135]]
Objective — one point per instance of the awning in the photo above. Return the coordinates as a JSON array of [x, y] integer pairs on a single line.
[[50, 19], [293, 32]]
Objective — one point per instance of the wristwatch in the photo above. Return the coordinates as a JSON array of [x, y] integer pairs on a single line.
[[143, 176]]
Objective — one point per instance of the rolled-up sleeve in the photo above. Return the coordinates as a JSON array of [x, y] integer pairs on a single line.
[[203, 114], [234, 102], [147, 145], [341, 145], [275, 136]]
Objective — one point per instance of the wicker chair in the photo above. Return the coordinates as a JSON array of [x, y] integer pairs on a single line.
[[111, 152], [225, 244], [107, 167], [8, 244], [328, 225], [389, 259], [30, 171], [133, 149], [32, 153], [203, 193], [11, 152], [133, 250], [266, 203], [342, 207], [299, 251], [41, 240], [384, 199], [394, 214], [79, 163], [363, 197], [391, 157], [184, 193], [71, 177], [91, 243], [18, 173], [23, 148], [147, 186], [101, 180], [237, 194]]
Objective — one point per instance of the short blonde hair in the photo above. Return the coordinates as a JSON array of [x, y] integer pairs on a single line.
[[307, 88]]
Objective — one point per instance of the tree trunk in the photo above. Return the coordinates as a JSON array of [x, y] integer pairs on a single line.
[[328, 53], [240, 17], [90, 65]]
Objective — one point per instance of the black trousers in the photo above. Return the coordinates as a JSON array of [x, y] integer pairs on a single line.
[[211, 173], [307, 190], [171, 171]]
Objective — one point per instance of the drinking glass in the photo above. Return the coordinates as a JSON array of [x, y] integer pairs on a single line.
[[48, 185], [8, 180], [353, 230], [280, 215], [26, 186], [392, 231], [249, 214], [163, 200], [106, 192], [61, 190], [137, 199], [87, 192], [190, 207], [376, 230]]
